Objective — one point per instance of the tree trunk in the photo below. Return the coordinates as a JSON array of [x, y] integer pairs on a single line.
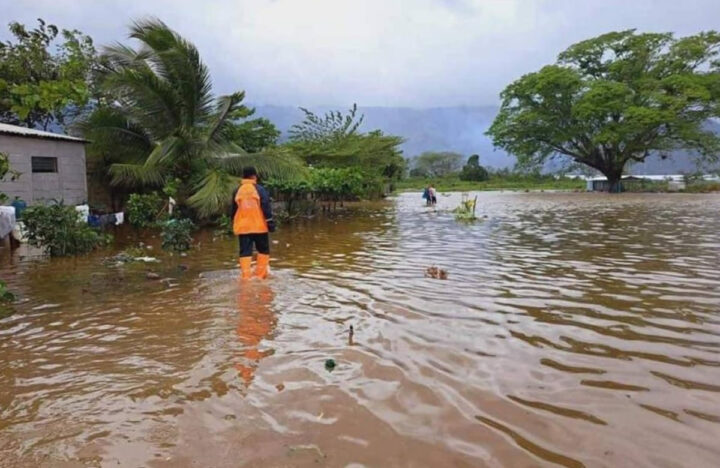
[[614, 181]]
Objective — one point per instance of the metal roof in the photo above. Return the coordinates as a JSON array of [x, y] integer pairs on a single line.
[[32, 133]]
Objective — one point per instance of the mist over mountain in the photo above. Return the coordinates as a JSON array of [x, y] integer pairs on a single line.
[[460, 129]]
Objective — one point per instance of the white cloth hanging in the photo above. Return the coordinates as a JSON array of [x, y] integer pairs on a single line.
[[84, 211], [7, 220]]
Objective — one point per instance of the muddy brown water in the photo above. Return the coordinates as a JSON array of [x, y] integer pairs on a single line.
[[573, 330]]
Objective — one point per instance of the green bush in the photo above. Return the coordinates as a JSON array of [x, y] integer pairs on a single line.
[[177, 234], [143, 210], [473, 171], [60, 231], [5, 294]]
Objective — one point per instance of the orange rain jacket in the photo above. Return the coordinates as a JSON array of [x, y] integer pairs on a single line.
[[251, 213]]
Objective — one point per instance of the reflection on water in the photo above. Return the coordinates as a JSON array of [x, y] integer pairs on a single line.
[[255, 323], [574, 330]]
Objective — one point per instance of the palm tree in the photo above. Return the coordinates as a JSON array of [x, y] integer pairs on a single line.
[[161, 114]]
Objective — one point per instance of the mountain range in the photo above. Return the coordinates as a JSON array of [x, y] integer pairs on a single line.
[[460, 129]]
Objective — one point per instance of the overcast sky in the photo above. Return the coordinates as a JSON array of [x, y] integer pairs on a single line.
[[417, 53]]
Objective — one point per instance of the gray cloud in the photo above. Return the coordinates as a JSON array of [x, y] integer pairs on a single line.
[[375, 52]]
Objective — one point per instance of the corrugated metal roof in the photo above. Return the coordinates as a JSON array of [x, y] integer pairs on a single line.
[[32, 133]]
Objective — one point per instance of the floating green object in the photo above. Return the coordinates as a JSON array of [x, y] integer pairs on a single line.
[[330, 364]]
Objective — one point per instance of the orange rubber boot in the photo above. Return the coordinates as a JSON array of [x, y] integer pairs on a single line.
[[245, 267], [261, 268]]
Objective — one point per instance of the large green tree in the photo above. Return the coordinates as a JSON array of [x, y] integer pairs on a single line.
[[162, 123], [45, 75], [615, 99]]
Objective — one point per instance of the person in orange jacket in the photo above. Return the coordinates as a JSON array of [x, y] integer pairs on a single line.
[[252, 221]]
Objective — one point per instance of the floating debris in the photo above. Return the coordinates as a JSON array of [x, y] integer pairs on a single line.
[[330, 364], [129, 256], [146, 259], [435, 272], [46, 306], [152, 276], [311, 448]]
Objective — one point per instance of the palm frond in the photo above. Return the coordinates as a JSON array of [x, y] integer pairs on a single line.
[[137, 175], [113, 136], [213, 193], [276, 163], [118, 55], [177, 61], [227, 105], [146, 99], [169, 149]]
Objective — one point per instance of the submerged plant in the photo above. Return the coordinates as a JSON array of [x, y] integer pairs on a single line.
[[466, 210], [177, 234], [5, 294]]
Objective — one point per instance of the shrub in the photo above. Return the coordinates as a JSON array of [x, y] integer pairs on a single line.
[[143, 209], [59, 230], [177, 234], [5, 294], [473, 171]]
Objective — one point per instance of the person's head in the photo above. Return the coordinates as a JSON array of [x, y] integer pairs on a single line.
[[250, 173]]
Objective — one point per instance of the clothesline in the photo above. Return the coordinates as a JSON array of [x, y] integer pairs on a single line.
[[10, 224]]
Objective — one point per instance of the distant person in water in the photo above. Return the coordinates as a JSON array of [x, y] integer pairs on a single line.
[[426, 196], [252, 221], [433, 195]]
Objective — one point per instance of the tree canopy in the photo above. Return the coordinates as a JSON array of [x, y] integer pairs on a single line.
[[614, 99], [254, 135], [335, 141], [437, 164], [40, 86], [472, 170]]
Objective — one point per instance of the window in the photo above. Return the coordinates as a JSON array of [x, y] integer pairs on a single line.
[[44, 164]]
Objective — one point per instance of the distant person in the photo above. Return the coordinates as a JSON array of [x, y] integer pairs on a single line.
[[433, 195], [252, 220], [426, 196]]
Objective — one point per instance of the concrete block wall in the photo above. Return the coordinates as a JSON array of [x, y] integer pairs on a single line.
[[68, 184]]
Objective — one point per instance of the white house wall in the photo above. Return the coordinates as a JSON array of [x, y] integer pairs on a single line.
[[68, 184]]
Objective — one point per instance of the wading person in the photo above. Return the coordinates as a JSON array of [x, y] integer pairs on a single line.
[[426, 196], [252, 220]]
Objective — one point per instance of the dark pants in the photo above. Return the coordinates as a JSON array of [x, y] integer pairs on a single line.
[[261, 242]]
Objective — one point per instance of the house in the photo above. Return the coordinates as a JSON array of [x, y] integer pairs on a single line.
[[51, 166], [636, 182]]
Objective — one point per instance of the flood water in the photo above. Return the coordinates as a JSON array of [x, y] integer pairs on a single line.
[[573, 330]]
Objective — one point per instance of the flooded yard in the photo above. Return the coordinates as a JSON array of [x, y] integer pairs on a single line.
[[573, 330]]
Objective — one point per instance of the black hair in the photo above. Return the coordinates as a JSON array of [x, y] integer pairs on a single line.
[[249, 172]]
